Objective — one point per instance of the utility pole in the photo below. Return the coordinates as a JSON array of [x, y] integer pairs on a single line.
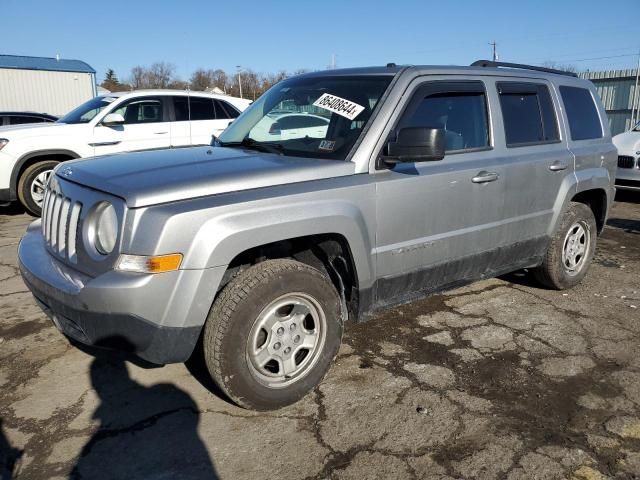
[[495, 53], [239, 68]]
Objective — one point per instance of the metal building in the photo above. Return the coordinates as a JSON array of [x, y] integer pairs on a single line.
[[618, 90], [45, 85]]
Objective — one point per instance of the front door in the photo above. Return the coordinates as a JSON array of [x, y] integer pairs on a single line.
[[146, 127], [441, 222]]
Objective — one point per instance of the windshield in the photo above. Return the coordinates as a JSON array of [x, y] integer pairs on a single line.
[[85, 112], [319, 117]]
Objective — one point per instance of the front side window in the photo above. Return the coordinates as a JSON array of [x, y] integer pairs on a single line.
[[87, 111], [344, 105], [528, 114], [584, 122], [142, 110], [462, 115]]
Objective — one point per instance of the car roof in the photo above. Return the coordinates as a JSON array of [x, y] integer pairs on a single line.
[[392, 69], [167, 91]]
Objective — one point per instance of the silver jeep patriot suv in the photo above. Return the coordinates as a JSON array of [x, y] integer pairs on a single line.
[[335, 194]]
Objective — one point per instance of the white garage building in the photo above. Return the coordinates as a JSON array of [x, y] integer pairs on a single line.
[[44, 85]]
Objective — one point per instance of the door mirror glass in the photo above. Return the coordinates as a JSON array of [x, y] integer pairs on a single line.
[[416, 144], [113, 119]]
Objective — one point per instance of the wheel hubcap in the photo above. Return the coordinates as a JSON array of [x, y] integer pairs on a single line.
[[286, 340], [576, 247], [38, 187]]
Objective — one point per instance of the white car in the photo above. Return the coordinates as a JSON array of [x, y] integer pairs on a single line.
[[628, 173], [113, 123], [287, 126]]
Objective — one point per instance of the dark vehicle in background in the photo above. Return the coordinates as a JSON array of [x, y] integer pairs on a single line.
[[20, 118]]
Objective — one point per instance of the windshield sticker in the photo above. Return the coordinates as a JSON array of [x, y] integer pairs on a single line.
[[327, 145], [338, 105]]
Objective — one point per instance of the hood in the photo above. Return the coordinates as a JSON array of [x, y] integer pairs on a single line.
[[160, 176], [13, 132], [627, 143]]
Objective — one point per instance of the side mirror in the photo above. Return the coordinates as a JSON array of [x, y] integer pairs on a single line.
[[416, 144], [113, 119]]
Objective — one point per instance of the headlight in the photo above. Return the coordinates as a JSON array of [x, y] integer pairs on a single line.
[[3, 142], [105, 228]]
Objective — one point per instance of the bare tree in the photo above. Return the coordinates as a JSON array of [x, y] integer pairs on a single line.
[[159, 75], [559, 66], [202, 79]]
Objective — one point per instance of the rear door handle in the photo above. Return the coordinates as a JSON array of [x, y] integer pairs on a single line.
[[557, 166], [485, 177]]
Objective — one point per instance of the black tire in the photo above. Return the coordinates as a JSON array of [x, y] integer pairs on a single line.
[[230, 324], [26, 181], [553, 272]]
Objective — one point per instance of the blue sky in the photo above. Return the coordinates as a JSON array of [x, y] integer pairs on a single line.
[[287, 35]]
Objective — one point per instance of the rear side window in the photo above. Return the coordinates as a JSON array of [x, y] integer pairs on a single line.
[[181, 108], [202, 108], [528, 114], [584, 122], [224, 110], [462, 115]]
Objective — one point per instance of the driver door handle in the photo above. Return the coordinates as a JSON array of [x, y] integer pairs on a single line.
[[485, 177], [557, 166], [160, 133]]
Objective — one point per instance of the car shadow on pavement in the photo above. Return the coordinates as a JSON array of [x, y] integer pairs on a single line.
[[12, 210], [144, 431], [9, 457]]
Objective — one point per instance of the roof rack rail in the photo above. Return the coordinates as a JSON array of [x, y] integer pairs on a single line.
[[490, 63]]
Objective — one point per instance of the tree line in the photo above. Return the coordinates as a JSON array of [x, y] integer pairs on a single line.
[[163, 75]]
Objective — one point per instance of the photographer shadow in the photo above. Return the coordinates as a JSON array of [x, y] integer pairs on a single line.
[[144, 432]]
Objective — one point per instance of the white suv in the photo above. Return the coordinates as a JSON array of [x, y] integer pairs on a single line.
[[113, 123]]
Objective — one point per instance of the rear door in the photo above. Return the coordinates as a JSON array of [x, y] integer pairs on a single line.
[[146, 127], [180, 125], [538, 166], [440, 222], [209, 117]]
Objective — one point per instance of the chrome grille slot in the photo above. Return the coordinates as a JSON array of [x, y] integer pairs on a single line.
[[60, 218], [62, 225], [625, 161], [72, 237]]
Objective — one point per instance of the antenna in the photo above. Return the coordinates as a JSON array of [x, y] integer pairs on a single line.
[[57, 57]]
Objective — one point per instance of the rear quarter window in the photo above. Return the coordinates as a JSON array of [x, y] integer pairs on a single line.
[[584, 121]]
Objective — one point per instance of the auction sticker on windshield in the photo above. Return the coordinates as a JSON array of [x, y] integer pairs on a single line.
[[341, 106]]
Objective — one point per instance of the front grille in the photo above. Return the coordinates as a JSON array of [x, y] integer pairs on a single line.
[[60, 224], [626, 162]]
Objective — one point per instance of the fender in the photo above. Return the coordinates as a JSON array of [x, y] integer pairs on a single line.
[[583, 180], [222, 238], [28, 156]]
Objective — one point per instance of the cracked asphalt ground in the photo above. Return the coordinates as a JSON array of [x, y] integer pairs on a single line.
[[500, 379]]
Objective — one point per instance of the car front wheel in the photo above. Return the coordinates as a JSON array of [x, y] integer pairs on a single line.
[[272, 334], [32, 184]]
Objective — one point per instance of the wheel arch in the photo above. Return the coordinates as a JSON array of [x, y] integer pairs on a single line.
[[31, 158]]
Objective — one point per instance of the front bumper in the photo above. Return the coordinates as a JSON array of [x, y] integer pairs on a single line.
[[628, 178], [156, 317]]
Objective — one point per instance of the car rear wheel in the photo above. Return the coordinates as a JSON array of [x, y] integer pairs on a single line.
[[272, 334], [32, 184], [571, 249]]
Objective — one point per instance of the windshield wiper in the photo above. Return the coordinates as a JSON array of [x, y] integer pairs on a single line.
[[252, 144]]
